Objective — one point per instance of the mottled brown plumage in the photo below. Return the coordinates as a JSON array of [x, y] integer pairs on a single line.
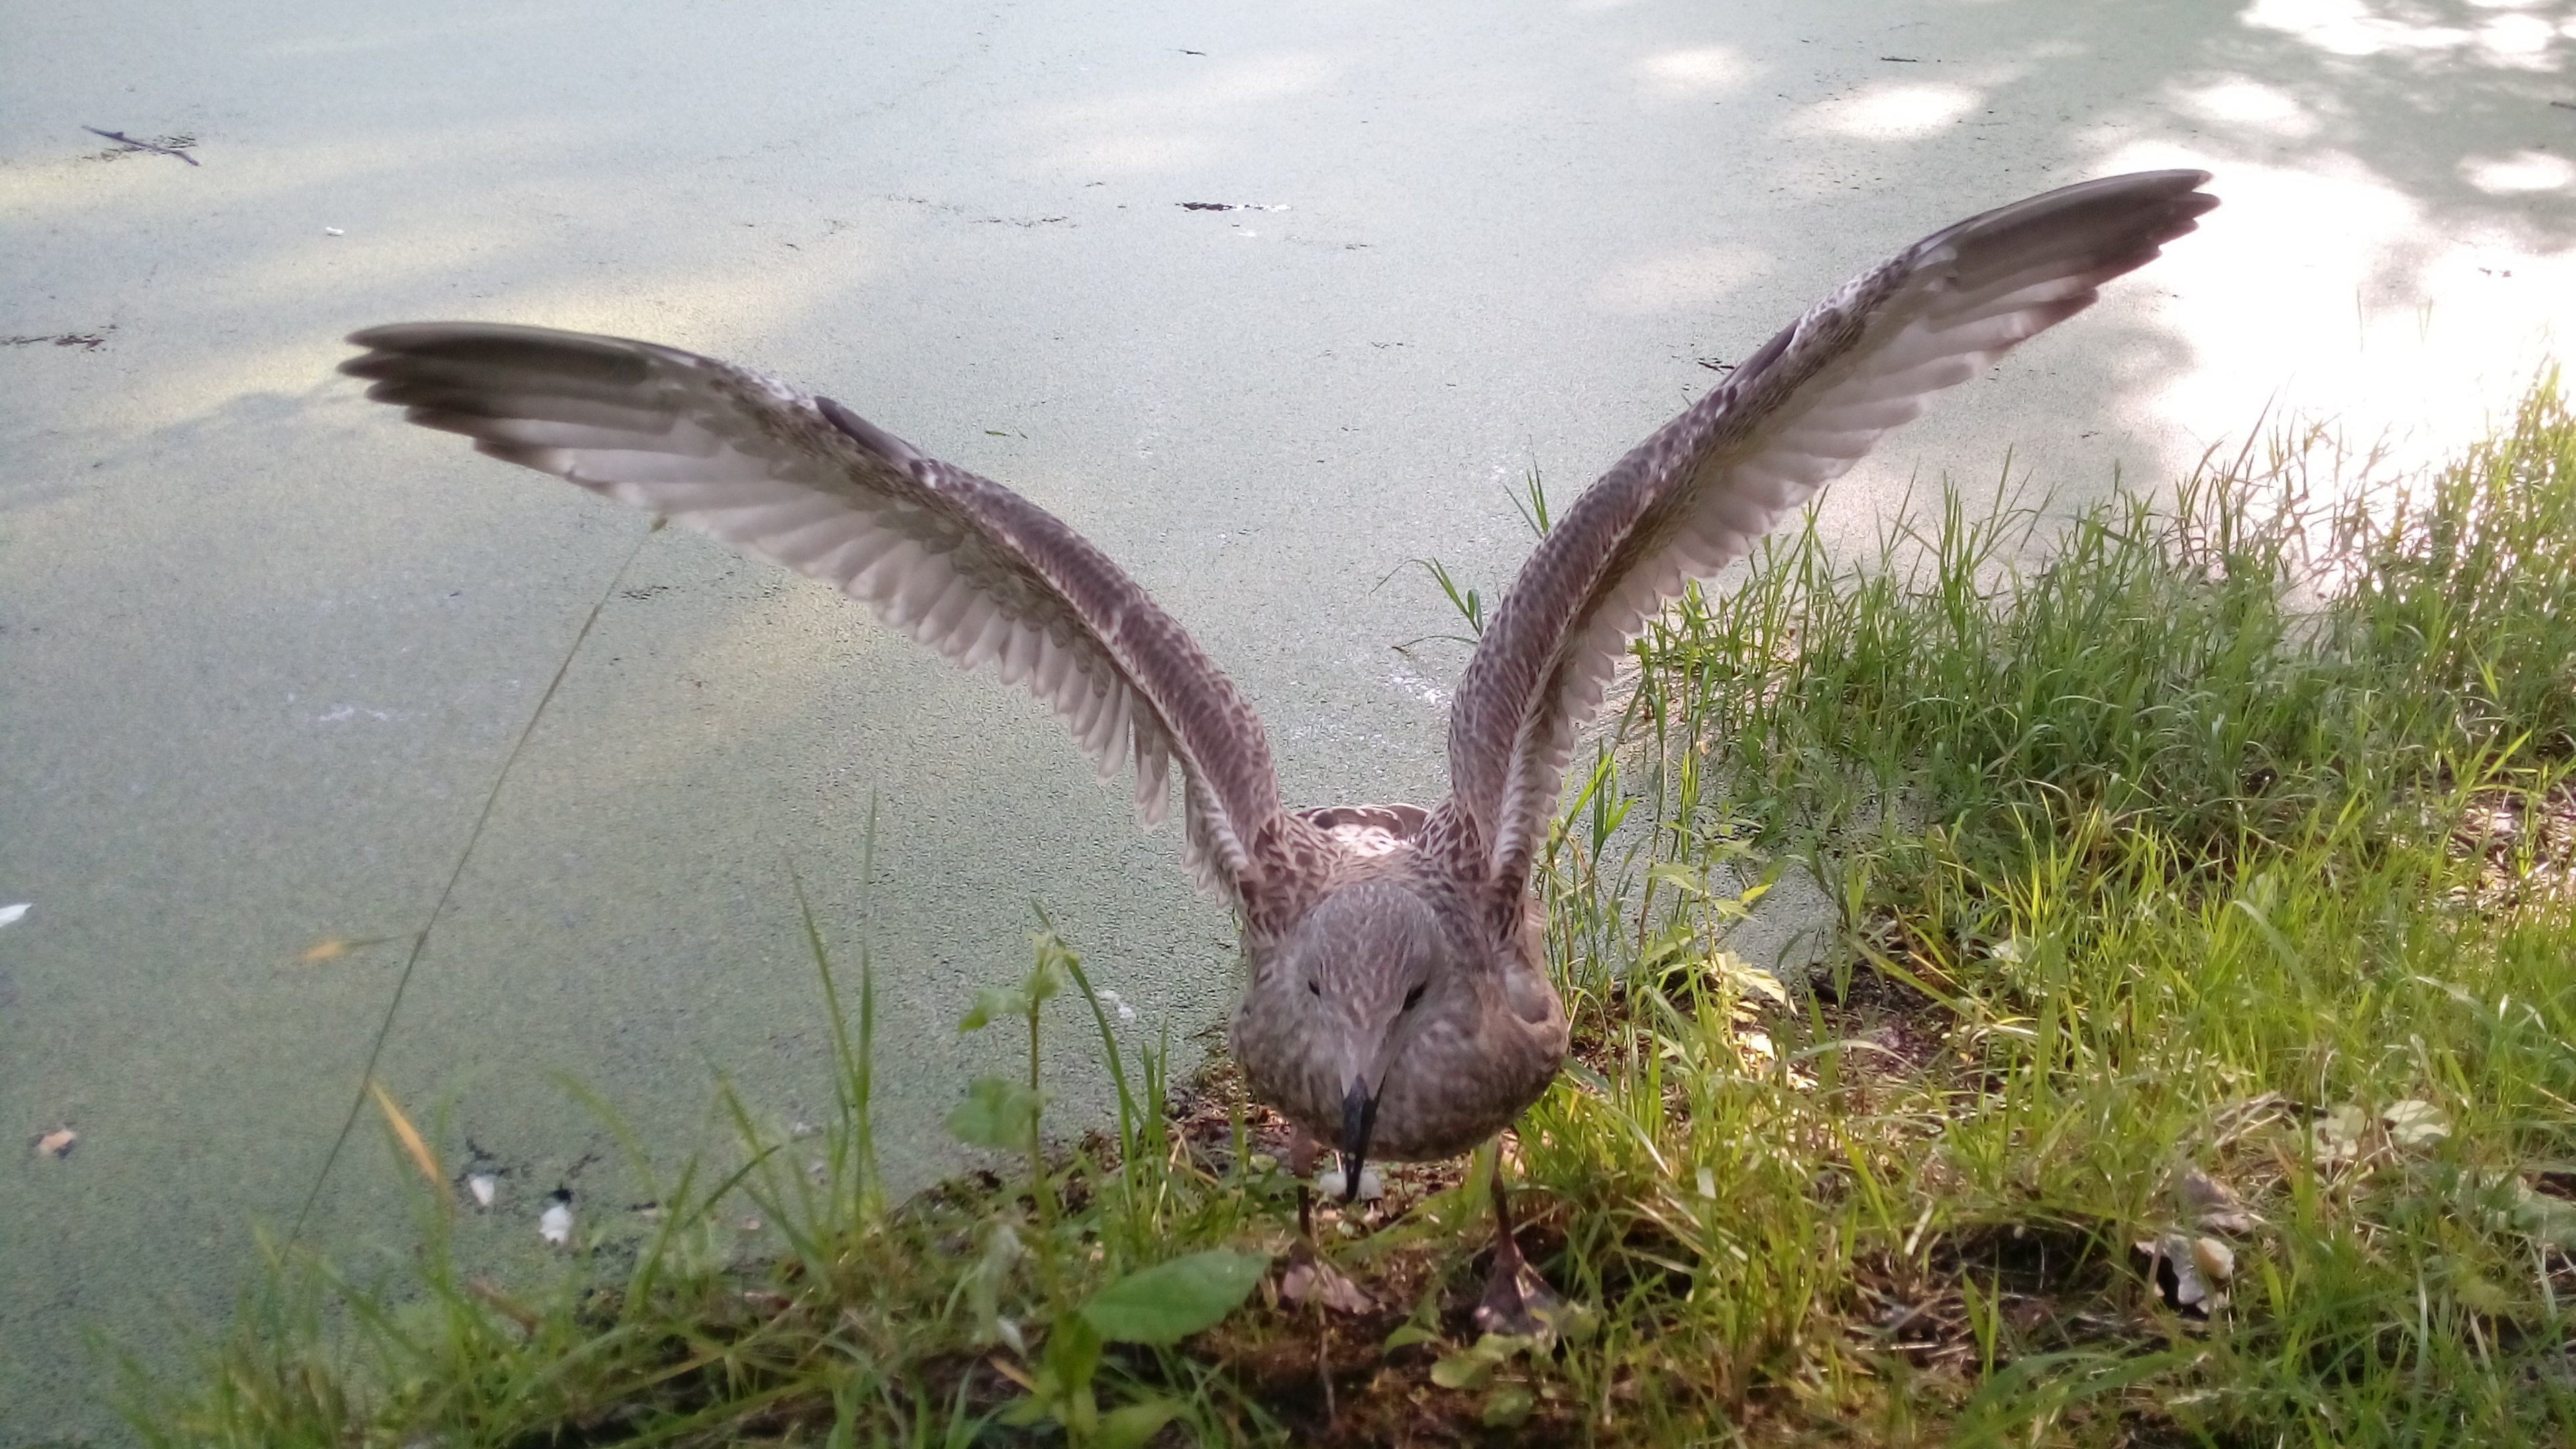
[[1397, 1001]]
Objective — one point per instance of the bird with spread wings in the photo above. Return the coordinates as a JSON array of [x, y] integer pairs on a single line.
[[1397, 1000]]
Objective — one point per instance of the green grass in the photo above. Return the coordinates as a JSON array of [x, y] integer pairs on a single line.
[[2203, 874]]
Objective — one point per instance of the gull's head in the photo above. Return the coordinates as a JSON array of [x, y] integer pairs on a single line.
[[1354, 979]]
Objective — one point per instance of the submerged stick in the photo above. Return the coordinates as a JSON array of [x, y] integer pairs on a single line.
[[144, 145]]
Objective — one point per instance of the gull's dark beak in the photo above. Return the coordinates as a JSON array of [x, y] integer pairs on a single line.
[[1359, 1114]]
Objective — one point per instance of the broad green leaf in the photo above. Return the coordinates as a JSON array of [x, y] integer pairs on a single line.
[[1072, 1353], [1749, 979], [1407, 1336], [2550, 1220], [1678, 876], [1469, 1370], [1508, 1406], [1475, 1368], [1664, 948], [1079, 1414], [997, 1112], [1130, 1427], [1170, 1301], [995, 1003]]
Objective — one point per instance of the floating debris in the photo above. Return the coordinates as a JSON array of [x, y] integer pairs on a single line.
[[86, 341], [333, 231], [483, 1187], [57, 1143], [12, 915], [332, 948], [555, 1223], [414, 1146]]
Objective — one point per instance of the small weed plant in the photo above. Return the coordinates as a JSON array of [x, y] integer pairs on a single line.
[[2188, 1062]]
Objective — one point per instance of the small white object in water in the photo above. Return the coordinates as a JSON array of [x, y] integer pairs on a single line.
[[555, 1223], [12, 915], [1330, 1181], [484, 1186], [333, 231]]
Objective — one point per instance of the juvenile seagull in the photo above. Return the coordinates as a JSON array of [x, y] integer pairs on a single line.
[[1397, 1001]]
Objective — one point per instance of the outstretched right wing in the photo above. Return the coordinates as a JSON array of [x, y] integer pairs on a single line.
[[959, 562]]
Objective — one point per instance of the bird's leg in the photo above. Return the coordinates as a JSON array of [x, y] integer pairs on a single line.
[[1306, 1276], [1303, 1151], [1517, 1300]]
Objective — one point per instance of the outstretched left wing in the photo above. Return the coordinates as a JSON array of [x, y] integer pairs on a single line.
[[1694, 496]]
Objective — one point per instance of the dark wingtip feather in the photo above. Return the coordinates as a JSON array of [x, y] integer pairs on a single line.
[[868, 435], [395, 348]]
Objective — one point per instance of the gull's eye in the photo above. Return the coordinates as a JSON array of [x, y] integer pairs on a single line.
[[1412, 997], [1314, 988]]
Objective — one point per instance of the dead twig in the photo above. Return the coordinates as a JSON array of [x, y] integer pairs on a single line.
[[144, 145]]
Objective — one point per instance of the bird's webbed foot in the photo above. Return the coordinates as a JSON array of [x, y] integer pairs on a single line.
[[1307, 1278], [1517, 1301]]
